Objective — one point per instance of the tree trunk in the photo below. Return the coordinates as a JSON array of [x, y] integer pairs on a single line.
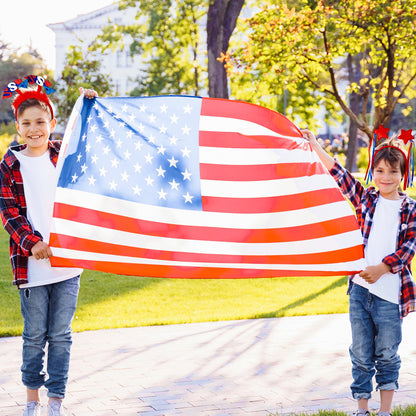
[[351, 161], [355, 105], [222, 19]]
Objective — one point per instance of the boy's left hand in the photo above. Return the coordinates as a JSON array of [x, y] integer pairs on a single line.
[[88, 93], [372, 273]]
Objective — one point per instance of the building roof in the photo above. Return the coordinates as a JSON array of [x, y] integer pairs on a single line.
[[87, 20]]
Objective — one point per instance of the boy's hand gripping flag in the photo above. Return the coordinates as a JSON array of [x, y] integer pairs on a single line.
[[192, 187]]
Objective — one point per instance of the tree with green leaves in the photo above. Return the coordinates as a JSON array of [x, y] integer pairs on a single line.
[[167, 36], [79, 72], [354, 56], [14, 65]]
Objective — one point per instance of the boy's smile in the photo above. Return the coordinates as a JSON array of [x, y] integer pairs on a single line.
[[35, 126], [387, 179]]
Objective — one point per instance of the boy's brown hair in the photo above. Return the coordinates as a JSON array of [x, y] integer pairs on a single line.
[[29, 97], [32, 102], [390, 152]]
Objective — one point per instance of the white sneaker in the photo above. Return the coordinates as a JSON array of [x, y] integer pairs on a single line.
[[32, 409], [55, 408]]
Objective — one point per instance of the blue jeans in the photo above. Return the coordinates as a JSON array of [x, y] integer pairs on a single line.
[[376, 335], [47, 315]]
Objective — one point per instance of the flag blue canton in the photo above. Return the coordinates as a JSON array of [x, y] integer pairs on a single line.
[[143, 150]]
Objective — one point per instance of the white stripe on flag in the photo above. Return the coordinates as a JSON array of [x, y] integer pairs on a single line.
[[81, 255], [268, 188], [236, 125], [124, 238], [234, 156], [197, 218]]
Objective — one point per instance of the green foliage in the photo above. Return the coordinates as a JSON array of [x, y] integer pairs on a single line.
[[167, 36], [404, 410], [305, 48], [8, 129], [79, 71], [5, 140], [362, 159], [14, 65]]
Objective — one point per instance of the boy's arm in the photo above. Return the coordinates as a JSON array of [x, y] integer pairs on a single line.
[[15, 224], [326, 159], [349, 186]]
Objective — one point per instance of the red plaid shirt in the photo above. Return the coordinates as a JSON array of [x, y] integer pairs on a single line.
[[365, 201], [13, 211]]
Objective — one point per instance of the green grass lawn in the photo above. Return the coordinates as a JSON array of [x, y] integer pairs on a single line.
[[112, 301], [398, 411]]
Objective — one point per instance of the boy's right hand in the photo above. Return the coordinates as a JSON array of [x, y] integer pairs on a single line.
[[88, 93], [309, 136], [326, 159], [41, 250]]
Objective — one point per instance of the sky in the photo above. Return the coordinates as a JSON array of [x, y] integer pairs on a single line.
[[27, 21]]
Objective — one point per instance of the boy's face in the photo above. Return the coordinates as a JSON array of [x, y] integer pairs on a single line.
[[35, 126], [387, 179]]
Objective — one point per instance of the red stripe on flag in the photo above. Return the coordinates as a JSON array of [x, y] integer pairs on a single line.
[[133, 225], [271, 204], [259, 172], [180, 272], [245, 111], [79, 244]]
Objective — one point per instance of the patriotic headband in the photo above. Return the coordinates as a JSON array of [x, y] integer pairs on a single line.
[[408, 140], [26, 94]]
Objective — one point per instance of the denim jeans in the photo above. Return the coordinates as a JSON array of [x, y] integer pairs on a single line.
[[47, 315], [376, 335]]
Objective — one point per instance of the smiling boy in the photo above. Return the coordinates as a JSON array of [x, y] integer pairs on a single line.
[[48, 295], [384, 292]]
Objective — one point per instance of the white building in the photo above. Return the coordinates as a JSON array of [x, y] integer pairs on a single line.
[[83, 29]]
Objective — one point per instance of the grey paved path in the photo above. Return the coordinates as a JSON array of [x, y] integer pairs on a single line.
[[249, 367]]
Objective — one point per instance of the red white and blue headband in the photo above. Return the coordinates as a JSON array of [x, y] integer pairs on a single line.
[[408, 140], [27, 93]]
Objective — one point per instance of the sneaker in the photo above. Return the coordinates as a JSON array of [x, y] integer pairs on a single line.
[[32, 409], [383, 414], [361, 412], [55, 408]]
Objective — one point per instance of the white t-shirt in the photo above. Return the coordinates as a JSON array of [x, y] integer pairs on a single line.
[[382, 242], [39, 184]]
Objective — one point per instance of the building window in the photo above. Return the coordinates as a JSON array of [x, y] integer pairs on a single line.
[[124, 59]]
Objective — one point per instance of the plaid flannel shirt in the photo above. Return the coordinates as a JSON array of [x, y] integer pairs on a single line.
[[365, 201], [13, 211]]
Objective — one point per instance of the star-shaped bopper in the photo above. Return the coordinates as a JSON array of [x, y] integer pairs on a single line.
[[406, 136], [382, 132]]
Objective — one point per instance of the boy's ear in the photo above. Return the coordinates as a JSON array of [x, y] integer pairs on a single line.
[[17, 126], [53, 124]]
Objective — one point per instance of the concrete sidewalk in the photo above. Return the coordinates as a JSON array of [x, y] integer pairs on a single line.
[[249, 367]]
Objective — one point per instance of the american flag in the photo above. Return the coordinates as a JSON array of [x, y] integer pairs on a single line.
[[177, 186]]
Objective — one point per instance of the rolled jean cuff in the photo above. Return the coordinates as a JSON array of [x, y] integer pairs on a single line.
[[361, 395], [389, 386], [55, 395], [35, 387]]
